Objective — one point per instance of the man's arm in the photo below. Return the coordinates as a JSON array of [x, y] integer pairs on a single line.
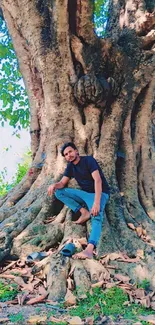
[[98, 191], [64, 181]]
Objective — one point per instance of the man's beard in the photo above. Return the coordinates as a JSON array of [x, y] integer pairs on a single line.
[[75, 158]]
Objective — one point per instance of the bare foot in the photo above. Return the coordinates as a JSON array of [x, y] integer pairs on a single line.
[[83, 255], [83, 218]]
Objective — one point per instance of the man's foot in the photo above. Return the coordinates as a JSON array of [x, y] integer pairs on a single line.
[[83, 218], [83, 255]]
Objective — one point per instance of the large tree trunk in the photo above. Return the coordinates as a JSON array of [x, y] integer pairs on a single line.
[[98, 93]]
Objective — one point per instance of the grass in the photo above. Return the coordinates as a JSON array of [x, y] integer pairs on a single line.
[[7, 292], [145, 284], [18, 318], [110, 303]]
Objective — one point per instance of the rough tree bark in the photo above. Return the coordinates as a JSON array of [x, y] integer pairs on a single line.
[[98, 93]]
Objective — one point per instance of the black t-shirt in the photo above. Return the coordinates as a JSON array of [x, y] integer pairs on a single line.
[[82, 173]]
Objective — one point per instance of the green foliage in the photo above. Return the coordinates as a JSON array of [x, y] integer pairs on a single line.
[[16, 318], [108, 302], [3, 185], [145, 284], [38, 310], [15, 107], [7, 292], [101, 16], [22, 169]]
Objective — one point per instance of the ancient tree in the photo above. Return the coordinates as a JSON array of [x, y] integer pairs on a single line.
[[98, 93]]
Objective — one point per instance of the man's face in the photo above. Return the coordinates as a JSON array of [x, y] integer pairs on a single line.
[[70, 154]]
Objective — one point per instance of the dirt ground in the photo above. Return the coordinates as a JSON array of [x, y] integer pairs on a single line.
[[31, 305], [40, 314]]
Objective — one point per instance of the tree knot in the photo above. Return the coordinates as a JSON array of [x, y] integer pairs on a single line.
[[90, 89]]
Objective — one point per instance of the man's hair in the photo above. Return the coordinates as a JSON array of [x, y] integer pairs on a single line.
[[67, 144]]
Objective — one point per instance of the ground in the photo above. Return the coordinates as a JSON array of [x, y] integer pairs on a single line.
[[30, 314], [112, 299]]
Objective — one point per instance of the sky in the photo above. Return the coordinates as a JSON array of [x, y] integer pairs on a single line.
[[12, 149]]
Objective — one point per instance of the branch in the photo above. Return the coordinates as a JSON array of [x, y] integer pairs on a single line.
[[84, 21], [149, 39], [144, 23], [143, 76], [130, 14]]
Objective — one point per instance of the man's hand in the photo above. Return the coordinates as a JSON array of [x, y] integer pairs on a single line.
[[51, 189], [95, 209]]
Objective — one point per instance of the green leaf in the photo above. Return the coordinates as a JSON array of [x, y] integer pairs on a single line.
[[12, 91]]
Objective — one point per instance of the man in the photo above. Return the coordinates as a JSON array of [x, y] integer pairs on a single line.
[[94, 193]]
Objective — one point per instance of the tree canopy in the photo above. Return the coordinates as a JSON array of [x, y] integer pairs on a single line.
[[13, 97]]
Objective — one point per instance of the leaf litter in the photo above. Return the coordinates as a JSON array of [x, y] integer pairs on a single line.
[[32, 290]]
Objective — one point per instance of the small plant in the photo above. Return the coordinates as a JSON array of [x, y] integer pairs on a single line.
[[7, 292], [22, 169], [16, 318], [4, 186], [38, 310], [16, 273], [111, 302], [145, 284]]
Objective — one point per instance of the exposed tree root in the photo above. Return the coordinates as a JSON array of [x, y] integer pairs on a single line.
[[81, 278], [107, 243], [39, 238], [95, 270], [22, 229], [57, 277], [25, 202], [89, 272], [148, 40], [138, 271], [124, 237], [71, 230], [60, 218]]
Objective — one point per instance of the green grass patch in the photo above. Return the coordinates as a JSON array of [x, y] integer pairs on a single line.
[[17, 318], [7, 292], [110, 303], [145, 284]]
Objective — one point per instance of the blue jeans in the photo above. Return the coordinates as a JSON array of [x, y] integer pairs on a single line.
[[75, 199]]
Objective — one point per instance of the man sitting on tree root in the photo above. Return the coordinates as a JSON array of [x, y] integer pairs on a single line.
[[94, 193]]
